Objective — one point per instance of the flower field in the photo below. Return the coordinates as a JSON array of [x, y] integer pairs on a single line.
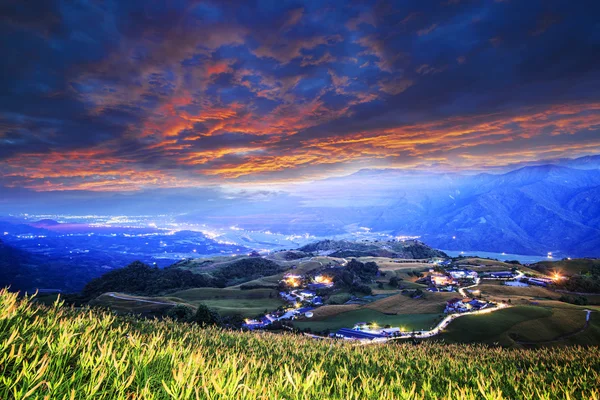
[[58, 352]]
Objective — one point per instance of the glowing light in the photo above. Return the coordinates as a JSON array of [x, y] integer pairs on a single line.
[[323, 279], [556, 276], [292, 281]]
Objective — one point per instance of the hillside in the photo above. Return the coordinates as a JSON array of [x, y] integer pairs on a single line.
[[141, 279], [97, 354], [567, 267], [409, 249]]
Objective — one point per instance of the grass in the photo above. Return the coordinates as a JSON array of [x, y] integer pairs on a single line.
[[504, 292], [493, 327], [387, 264], [134, 304], [561, 322], [64, 353], [248, 303], [347, 319], [432, 303], [566, 267]]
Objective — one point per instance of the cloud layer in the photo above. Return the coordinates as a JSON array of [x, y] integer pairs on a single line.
[[117, 95]]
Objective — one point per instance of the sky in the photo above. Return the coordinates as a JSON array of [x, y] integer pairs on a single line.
[[124, 96]]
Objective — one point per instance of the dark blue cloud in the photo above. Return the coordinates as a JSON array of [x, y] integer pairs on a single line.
[[156, 83]]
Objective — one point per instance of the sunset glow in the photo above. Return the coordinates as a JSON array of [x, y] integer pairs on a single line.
[[200, 94]]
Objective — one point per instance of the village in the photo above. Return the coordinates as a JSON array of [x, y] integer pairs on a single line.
[[302, 294]]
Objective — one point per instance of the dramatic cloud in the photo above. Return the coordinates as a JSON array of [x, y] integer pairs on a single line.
[[128, 95]]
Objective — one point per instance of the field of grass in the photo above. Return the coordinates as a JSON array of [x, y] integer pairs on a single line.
[[541, 323], [476, 261], [248, 303], [432, 303], [347, 319], [123, 303], [64, 353], [561, 322], [493, 327], [503, 292], [324, 312], [566, 267], [387, 264]]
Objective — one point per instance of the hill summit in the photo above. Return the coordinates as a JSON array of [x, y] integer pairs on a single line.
[[408, 249]]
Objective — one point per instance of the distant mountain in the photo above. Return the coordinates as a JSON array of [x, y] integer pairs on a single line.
[[532, 210], [44, 223]]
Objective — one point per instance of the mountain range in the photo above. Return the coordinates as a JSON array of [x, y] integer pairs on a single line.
[[531, 209]]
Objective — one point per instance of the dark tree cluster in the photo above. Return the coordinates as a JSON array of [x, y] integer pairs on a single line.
[[247, 269], [585, 283], [141, 279]]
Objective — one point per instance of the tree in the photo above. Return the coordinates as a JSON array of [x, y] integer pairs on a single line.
[[181, 313], [205, 316], [394, 282]]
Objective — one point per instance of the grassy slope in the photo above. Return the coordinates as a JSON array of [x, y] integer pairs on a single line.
[[569, 267], [134, 304], [67, 353], [432, 303], [347, 319], [503, 292], [248, 303], [491, 328], [525, 323]]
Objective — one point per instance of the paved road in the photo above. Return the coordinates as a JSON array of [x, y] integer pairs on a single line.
[[462, 290]]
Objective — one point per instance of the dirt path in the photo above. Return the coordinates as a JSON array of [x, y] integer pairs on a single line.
[[116, 296]]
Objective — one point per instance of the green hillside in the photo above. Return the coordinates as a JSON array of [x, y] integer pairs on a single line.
[[64, 353], [567, 267]]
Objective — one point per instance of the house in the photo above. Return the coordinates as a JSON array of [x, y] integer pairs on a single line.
[[478, 304], [253, 324], [540, 281], [391, 331], [287, 297], [441, 280], [500, 275], [317, 286], [457, 305], [352, 334], [317, 301], [462, 274], [304, 310]]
